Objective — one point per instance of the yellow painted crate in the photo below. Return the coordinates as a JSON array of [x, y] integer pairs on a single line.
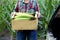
[[24, 24]]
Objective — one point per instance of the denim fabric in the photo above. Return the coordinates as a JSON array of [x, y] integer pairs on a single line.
[[29, 34]]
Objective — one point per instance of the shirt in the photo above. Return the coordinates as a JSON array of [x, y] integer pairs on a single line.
[[29, 7]]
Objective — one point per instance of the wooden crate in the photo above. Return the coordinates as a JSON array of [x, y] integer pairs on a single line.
[[24, 24]]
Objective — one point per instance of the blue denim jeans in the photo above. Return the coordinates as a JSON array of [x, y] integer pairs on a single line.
[[30, 34]]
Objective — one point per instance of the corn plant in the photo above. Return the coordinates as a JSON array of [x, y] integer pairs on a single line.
[[47, 8], [6, 7]]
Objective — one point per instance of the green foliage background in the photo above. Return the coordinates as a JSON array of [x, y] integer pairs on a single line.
[[47, 8]]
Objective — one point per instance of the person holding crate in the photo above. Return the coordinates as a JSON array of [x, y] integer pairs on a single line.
[[30, 6]]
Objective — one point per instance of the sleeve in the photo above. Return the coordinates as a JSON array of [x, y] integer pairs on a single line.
[[36, 7], [37, 10], [16, 9]]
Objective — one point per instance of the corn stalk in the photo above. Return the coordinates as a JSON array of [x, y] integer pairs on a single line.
[[6, 6], [47, 8]]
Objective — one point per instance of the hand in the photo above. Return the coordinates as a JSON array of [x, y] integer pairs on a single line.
[[13, 14], [37, 15]]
